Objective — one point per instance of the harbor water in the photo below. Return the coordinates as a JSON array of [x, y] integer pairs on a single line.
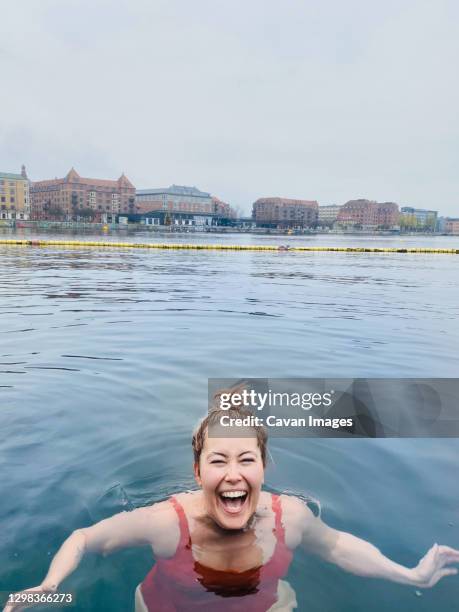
[[104, 361]]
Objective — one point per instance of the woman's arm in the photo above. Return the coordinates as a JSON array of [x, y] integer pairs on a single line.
[[359, 557], [154, 525], [65, 561], [121, 530]]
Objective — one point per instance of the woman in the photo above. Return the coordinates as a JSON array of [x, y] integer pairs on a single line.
[[230, 539]]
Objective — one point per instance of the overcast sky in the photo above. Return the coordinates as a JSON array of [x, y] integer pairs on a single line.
[[321, 100]]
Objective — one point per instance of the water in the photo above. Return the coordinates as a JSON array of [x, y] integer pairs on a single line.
[[104, 360]]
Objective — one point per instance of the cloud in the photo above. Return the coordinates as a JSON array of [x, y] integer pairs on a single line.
[[324, 101]]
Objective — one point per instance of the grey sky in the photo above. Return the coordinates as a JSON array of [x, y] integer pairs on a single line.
[[326, 100]]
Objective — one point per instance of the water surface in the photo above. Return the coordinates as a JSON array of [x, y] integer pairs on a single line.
[[104, 360]]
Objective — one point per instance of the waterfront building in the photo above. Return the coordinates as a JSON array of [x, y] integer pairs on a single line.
[[386, 215], [418, 218], [369, 214], [14, 196], [222, 209], [452, 226], [285, 213], [173, 219], [181, 205], [176, 198], [356, 213], [328, 214], [441, 221], [77, 198]]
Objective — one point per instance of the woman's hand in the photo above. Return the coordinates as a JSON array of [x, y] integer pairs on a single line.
[[434, 566], [18, 606]]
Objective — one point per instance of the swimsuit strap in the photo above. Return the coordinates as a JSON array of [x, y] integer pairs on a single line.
[[278, 526], [185, 538]]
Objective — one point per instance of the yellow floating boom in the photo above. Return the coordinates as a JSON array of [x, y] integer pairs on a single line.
[[218, 247]]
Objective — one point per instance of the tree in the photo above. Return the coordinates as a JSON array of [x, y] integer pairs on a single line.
[[52, 212], [86, 213], [408, 222]]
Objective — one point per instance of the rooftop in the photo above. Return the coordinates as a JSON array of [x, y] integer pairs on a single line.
[[11, 175], [73, 177], [183, 190], [410, 209]]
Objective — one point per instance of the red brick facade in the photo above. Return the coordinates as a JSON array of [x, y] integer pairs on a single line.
[[222, 209], [74, 196], [452, 226], [367, 213]]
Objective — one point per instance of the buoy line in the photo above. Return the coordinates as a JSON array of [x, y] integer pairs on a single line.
[[220, 247]]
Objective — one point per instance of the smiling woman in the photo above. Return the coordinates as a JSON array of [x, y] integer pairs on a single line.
[[228, 546]]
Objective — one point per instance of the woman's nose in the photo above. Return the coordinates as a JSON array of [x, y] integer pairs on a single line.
[[232, 472]]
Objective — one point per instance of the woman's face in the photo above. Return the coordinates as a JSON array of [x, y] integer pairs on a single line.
[[231, 474]]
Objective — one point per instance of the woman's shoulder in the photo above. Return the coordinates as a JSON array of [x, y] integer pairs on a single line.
[[186, 499], [160, 511], [295, 518], [166, 527], [290, 505]]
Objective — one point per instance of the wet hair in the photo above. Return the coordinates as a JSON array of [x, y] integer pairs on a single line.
[[213, 419]]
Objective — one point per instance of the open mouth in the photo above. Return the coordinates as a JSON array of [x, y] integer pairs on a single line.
[[233, 501]]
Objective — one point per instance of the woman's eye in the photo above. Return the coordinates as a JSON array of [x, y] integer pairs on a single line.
[[248, 460], [217, 461]]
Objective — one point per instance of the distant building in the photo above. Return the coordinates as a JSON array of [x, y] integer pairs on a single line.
[[356, 212], [386, 215], [14, 196], [181, 205], [368, 214], [176, 198], [222, 209], [418, 218], [452, 226], [75, 197], [441, 224], [164, 217], [284, 213], [328, 214]]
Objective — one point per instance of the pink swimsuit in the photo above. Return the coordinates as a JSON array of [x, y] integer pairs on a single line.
[[181, 583]]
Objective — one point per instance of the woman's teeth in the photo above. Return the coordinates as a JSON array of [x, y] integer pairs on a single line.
[[233, 493], [233, 501]]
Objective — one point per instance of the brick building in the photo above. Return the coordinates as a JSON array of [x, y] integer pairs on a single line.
[[452, 226], [222, 209], [14, 196], [386, 214], [368, 214], [75, 197], [284, 213]]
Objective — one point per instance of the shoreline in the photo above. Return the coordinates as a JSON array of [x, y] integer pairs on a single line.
[[168, 229]]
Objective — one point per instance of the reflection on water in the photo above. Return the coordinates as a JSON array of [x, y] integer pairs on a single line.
[[104, 360]]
